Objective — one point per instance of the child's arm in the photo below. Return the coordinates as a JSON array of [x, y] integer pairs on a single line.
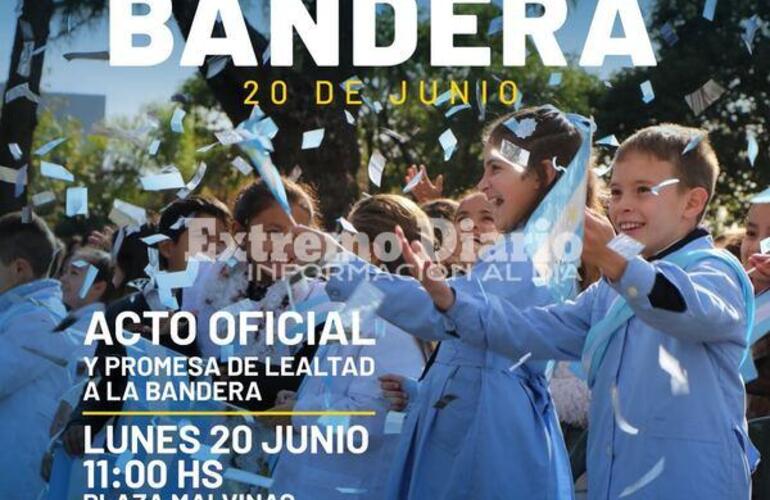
[[406, 303], [702, 304], [491, 322], [494, 323]]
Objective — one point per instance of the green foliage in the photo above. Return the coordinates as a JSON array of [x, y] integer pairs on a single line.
[[423, 124], [706, 50]]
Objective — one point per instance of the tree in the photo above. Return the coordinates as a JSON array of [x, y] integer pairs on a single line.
[[333, 166], [705, 50], [18, 119]]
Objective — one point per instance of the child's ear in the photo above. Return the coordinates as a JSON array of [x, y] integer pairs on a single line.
[[697, 200], [550, 172], [23, 271]]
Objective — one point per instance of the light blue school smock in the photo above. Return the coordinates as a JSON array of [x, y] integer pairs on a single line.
[[500, 437], [691, 440]]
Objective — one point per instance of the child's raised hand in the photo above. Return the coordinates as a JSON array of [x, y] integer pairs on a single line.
[[761, 267], [598, 233], [421, 267], [392, 387], [425, 190]]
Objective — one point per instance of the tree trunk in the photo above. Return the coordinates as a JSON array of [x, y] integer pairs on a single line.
[[19, 117], [331, 168]]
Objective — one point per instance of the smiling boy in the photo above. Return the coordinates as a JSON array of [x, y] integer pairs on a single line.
[[662, 335]]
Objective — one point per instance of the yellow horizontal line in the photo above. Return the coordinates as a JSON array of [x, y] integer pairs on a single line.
[[267, 413]]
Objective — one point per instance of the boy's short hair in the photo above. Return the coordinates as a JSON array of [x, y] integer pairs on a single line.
[[666, 142], [194, 206], [31, 241]]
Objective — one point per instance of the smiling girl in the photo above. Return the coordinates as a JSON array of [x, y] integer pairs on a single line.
[[482, 424]]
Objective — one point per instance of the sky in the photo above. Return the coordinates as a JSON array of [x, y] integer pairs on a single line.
[[128, 89]]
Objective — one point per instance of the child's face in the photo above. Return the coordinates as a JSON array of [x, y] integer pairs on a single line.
[[276, 227], [478, 213], [176, 251], [509, 190], [656, 221], [71, 282], [757, 229]]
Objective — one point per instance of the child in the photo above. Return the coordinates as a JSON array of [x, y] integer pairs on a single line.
[[758, 383], [319, 475], [32, 356], [81, 309], [662, 336], [483, 425], [172, 257]]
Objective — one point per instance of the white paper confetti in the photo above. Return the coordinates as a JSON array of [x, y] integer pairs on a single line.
[[603, 170], [216, 65], [495, 26], [694, 143], [752, 148], [194, 182], [242, 165], [525, 128], [168, 178], [177, 119], [228, 137], [350, 118], [513, 154], [16, 151], [312, 139], [154, 239], [448, 142], [610, 141], [207, 147], [456, 109], [704, 97], [625, 246], [648, 94], [48, 147], [43, 198], [77, 201], [554, 80], [376, 167], [101, 55], [520, 362], [21, 182], [394, 422], [8, 174], [19, 91], [245, 477], [620, 421], [658, 187], [56, 171], [414, 182], [764, 245], [126, 214], [347, 225], [709, 8], [670, 365], [649, 477], [88, 281]]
